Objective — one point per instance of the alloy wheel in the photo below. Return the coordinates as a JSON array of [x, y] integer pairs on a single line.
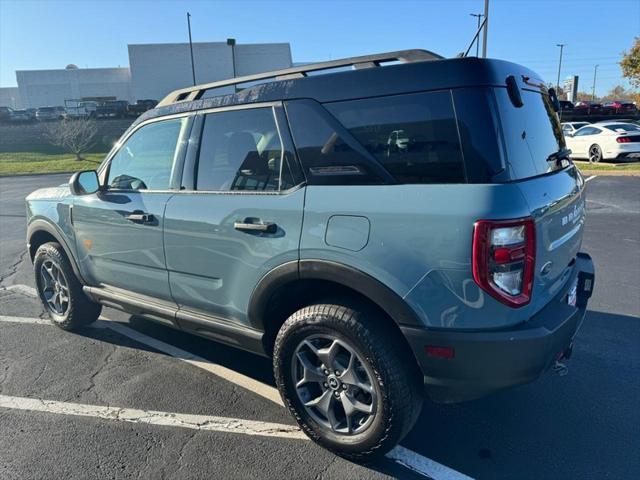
[[595, 154], [334, 384], [55, 287]]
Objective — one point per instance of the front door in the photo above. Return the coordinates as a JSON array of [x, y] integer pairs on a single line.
[[119, 229], [241, 217]]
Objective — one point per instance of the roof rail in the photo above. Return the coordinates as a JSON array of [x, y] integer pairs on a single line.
[[366, 61]]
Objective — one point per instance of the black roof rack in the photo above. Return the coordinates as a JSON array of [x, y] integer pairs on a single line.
[[366, 61]]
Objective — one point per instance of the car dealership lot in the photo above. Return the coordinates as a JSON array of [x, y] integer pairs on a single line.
[[583, 425]]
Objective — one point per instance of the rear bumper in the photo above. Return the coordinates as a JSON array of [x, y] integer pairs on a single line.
[[488, 361]]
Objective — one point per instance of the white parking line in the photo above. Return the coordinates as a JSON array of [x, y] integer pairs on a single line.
[[26, 289], [590, 178], [424, 465], [239, 379], [30, 320], [408, 458], [152, 417]]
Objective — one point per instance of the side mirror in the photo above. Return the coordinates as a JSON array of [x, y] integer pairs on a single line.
[[84, 183], [568, 134]]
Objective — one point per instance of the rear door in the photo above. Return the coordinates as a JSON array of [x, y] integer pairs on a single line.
[[554, 190], [238, 216], [119, 229]]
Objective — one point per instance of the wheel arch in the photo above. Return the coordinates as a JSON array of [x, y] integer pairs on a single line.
[[40, 232], [293, 285]]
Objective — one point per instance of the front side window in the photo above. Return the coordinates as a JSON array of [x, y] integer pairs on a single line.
[[414, 136], [241, 150], [145, 161]]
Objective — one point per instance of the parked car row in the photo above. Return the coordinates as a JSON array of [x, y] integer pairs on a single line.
[[77, 109], [585, 107], [608, 140]]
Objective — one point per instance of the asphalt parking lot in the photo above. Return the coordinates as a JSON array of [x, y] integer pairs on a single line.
[[132, 399]]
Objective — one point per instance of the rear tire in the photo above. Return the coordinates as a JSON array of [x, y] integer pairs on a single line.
[[595, 153], [330, 359], [60, 291]]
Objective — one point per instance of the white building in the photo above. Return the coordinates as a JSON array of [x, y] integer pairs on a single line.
[[10, 97], [157, 69], [154, 70], [40, 88]]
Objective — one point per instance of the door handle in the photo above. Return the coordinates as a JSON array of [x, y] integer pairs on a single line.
[[140, 217], [267, 227]]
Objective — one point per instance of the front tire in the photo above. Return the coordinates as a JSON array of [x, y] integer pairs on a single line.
[[347, 379], [60, 291]]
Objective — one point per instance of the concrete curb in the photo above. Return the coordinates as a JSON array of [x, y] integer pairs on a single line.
[[611, 173]]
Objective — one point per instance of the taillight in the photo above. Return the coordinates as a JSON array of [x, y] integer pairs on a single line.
[[623, 140], [504, 254]]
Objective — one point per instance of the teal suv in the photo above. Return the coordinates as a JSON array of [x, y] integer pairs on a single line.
[[383, 227]]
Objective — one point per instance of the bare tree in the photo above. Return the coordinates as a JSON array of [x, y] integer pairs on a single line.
[[73, 135]]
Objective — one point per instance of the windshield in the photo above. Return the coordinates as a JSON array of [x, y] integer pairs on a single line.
[[532, 134]]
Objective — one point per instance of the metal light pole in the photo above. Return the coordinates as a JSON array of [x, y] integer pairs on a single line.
[[478, 16], [486, 29], [561, 45], [593, 89], [193, 67]]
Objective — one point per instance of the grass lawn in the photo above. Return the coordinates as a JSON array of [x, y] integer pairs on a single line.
[[21, 163], [609, 168]]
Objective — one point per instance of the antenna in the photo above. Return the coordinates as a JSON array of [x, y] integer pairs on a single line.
[[474, 38]]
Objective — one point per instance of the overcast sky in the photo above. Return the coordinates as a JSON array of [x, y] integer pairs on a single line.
[[52, 34]]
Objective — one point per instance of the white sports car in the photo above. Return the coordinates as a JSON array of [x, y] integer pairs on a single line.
[[605, 141]]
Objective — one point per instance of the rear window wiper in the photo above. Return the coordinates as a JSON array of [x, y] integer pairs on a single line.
[[559, 156]]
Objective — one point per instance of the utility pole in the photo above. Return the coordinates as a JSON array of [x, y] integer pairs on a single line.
[[193, 67], [561, 45], [486, 29], [593, 89], [479, 17]]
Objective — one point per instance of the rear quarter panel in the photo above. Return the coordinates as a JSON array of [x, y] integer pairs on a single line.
[[419, 244]]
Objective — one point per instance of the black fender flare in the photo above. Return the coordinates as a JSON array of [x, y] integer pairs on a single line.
[[377, 292], [41, 225]]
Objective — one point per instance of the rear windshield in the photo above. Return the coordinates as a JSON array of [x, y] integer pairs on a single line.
[[622, 127], [532, 134]]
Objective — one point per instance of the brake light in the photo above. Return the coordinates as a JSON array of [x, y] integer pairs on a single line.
[[623, 140], [504, 259]]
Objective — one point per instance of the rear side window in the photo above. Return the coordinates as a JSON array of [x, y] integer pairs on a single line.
[[531, 133], [587, 131], [328, 152], [413, 136], [241, 150]]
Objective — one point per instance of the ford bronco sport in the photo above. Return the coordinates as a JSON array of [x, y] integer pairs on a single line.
[[412, 224]]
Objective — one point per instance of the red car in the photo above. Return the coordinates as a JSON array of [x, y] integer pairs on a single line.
[[587, 108], [619, 106]]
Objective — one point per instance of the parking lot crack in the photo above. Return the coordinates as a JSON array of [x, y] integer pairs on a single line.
[[322, 472], [103, 364], [13, 268]]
